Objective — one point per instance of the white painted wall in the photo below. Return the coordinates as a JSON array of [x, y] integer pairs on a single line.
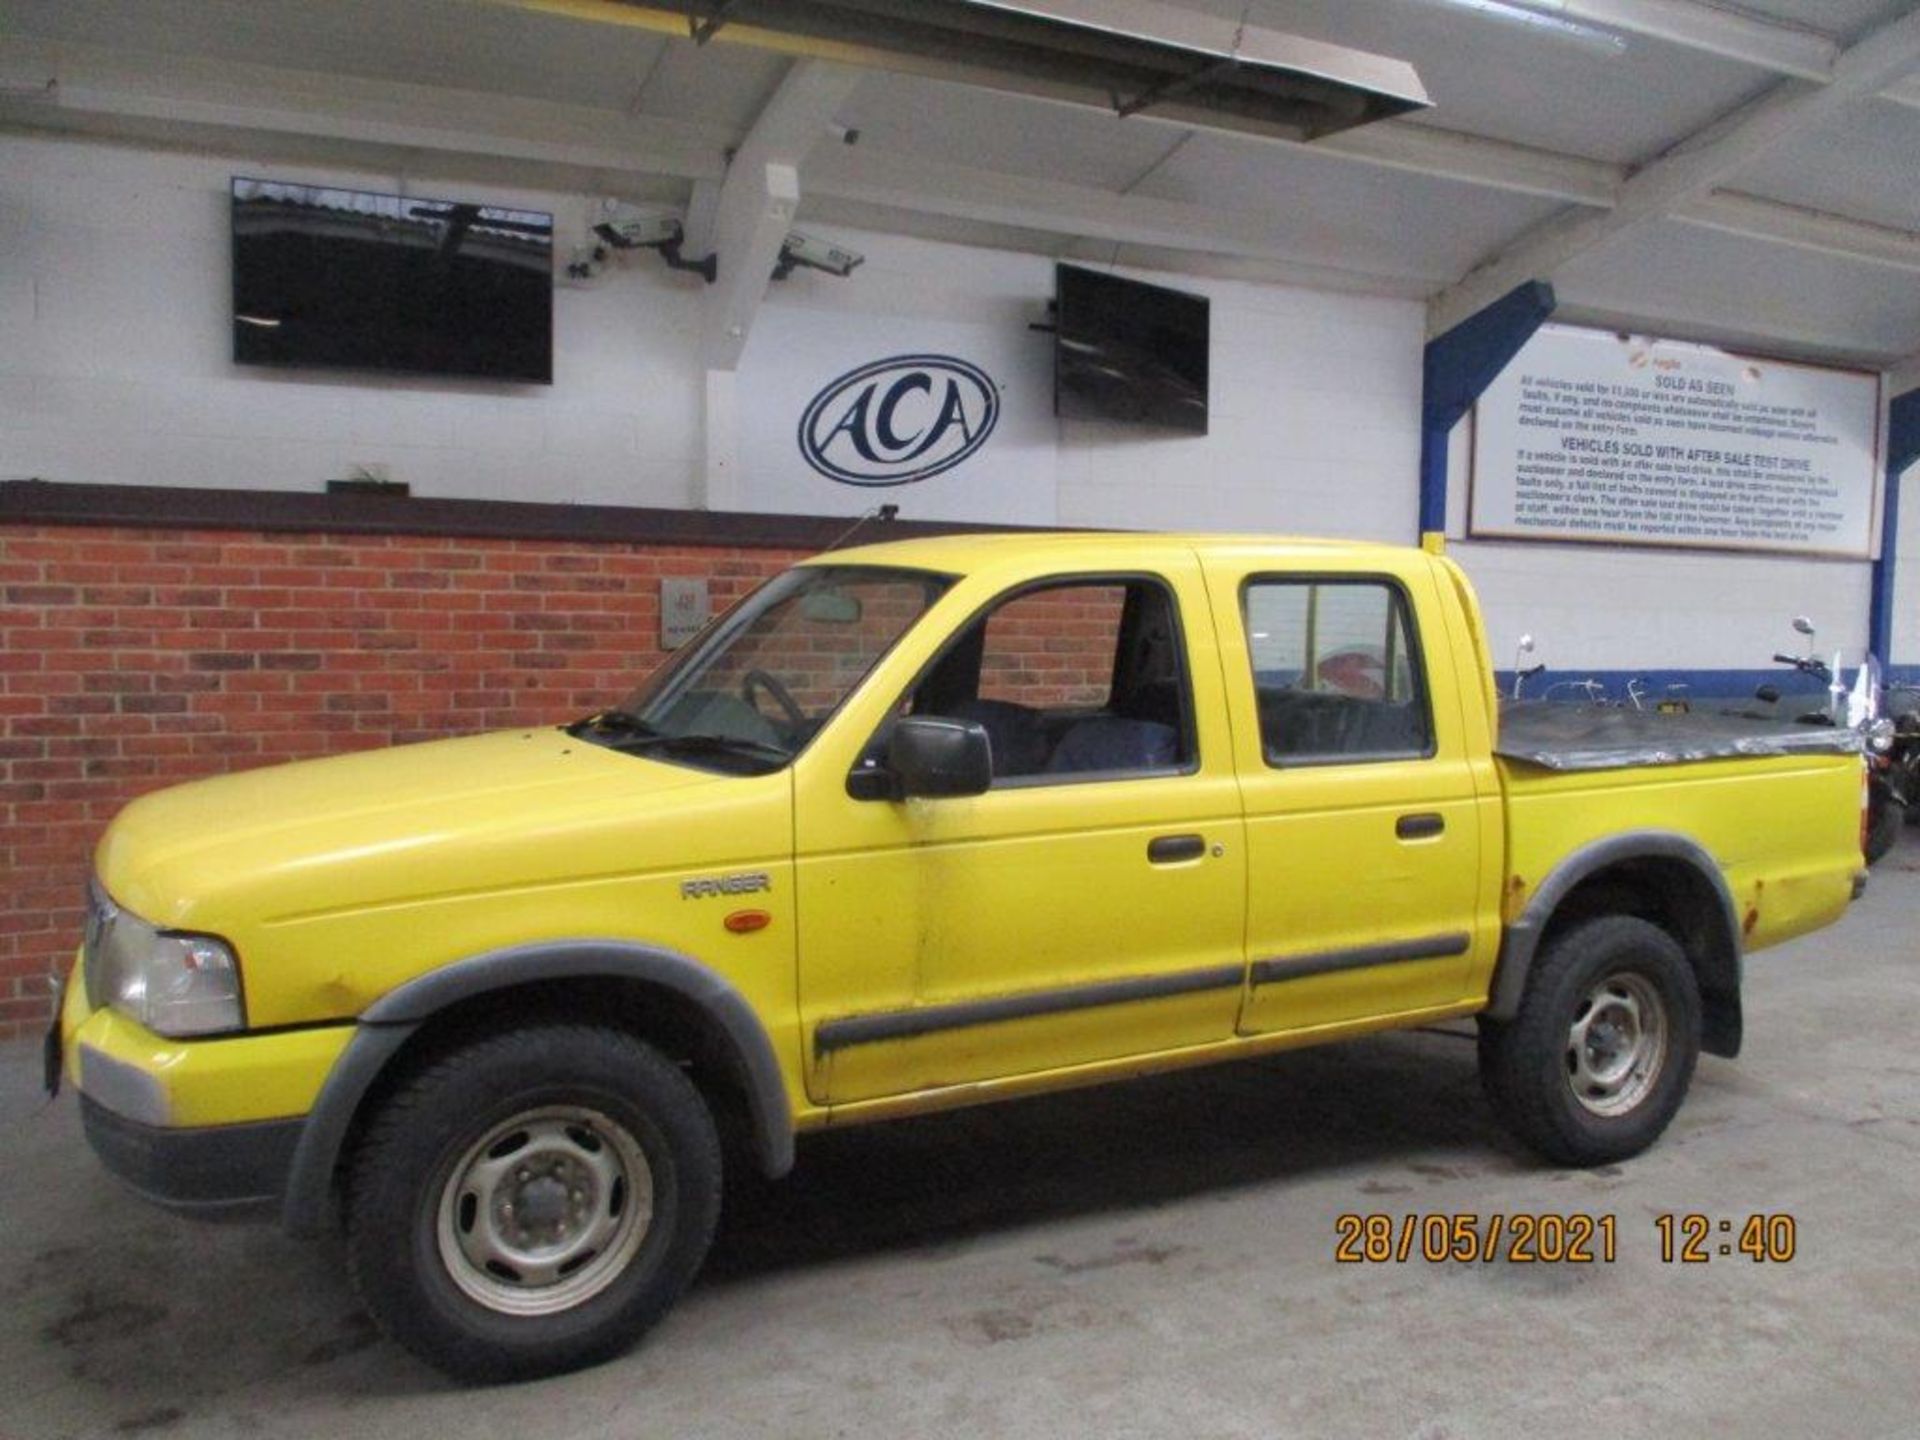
[[115, 368], [115, 354], [1313, 409], [1315, 426]]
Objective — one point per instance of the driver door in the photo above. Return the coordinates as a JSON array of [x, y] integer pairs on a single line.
[[1088, 907]]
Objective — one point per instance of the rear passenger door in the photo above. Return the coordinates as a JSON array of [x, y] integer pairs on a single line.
[[1363, 823]]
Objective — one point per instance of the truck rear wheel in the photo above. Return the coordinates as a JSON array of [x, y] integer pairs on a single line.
[[532, 1202], [1599, 1057]]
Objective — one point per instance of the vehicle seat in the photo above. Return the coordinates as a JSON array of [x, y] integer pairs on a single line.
[[1017, 734], [1109, 742], [1156, 700], [1316, 725]]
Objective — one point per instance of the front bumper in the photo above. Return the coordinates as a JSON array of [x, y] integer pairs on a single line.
[[203, 1170], [205, 1126]]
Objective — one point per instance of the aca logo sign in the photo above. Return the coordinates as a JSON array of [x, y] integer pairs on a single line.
[[899, 420]]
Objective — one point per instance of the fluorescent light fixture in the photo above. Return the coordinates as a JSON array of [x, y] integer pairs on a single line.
[[1545, 17], [263, 321]]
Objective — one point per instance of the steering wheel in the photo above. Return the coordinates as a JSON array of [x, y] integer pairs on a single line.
[[760, 680]]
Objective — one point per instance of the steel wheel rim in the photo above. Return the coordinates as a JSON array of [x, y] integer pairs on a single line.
[[544, 1210], [1617, 1044]]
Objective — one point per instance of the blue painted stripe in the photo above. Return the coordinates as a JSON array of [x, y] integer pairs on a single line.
[[1903, 450]]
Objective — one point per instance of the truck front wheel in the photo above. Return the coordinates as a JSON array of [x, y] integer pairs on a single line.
[[533, 1201], [1599, 1057]]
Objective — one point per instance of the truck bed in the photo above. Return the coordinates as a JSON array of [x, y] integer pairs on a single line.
[[1597, 737]]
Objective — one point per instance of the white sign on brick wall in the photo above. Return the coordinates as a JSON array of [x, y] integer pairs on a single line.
[[1588, 435]]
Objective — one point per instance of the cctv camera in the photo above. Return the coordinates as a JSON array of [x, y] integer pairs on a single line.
[[626, 227], [798, 249], [842, 133]]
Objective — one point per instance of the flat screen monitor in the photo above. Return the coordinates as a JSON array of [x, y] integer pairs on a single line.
[[348, 279], [1124, 350]]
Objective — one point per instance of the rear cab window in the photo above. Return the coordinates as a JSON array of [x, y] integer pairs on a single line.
[[1337, 670]]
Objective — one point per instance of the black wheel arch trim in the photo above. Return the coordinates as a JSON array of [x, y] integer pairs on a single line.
[[1718, 970], [386, 1026]]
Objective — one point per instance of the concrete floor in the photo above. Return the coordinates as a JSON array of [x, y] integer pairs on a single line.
[[1153, 1259]]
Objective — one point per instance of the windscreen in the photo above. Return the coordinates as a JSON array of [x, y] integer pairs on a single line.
[[756, 687]]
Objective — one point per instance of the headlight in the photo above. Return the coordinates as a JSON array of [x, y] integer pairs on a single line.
[[173, 983], [1880, 735]]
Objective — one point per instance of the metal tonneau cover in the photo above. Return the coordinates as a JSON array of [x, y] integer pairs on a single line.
[[1599, 737]]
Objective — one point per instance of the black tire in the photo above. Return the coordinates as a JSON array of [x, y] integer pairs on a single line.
[[1526, 1064], [592, 1097], [1885, 817]]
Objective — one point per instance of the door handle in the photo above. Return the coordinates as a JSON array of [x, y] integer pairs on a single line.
[[1171, 849], [1419, 827]]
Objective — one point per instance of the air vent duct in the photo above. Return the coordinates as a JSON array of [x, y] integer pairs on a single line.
[[1131, 57]]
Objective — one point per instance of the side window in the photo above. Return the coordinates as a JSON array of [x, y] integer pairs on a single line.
[[1335, 673], [1075, 678], [1053, 649]]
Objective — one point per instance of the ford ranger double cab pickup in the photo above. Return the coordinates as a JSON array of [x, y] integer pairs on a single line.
[[916, 825]]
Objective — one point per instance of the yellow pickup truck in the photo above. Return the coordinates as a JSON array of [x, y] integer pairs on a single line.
[[916, 825]]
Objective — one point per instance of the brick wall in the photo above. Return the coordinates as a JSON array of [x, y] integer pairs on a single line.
[[1053, 647], [131, 659]]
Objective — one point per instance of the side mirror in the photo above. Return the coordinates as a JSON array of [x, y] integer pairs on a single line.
[[1802, 624], [933, 757]]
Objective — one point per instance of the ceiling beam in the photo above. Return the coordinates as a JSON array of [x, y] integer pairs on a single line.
[[1602, 310], [1838, 235], [1905, 92], [1494, 164], [898, 182], [1709, 29], [756, 212], [1689, 171], [268, 100], [1903, 377], [247, 99], [756, 203], [750, 218], [243, 104], [703, 215], [1703, 26]]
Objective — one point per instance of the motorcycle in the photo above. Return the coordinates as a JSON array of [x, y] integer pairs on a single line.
[[1523, 673], [1859, 707], [1901, 704]]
